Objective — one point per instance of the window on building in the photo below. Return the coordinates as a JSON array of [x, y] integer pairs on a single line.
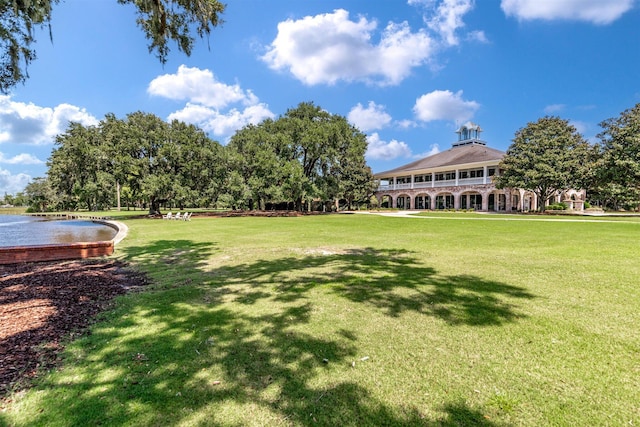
[[491, 172], [502, 202], [444, 201], [475, 201]]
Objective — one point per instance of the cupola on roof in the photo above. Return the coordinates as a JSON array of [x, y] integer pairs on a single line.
[[469, 133]]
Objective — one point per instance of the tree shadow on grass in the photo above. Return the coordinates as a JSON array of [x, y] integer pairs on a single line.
[[393, 281], [171, 258], [166, 359]]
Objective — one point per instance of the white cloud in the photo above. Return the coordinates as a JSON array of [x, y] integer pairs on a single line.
[[554, 108], [21, 159], [379, 149], [369, 118], [328, 48], [12, 184], [445, 18], [23, 123], [433, 149], [444, 105], [581, 127], [198, 86], [448, 19], [221, 124], [600, 12], [209, 101], [478, 36], [406, 124]]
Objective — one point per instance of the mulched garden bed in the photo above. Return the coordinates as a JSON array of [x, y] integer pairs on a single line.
[[239, 213], [42, 305]]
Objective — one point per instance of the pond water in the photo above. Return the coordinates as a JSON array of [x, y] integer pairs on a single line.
[[19, 230]]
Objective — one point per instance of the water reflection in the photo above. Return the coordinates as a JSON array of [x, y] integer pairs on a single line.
[[16, 230]]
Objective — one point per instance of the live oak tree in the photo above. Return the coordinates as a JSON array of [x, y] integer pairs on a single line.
[[79, 170], [154, 162], [162, 21], [619, 171], [39, 195], [546, 156], [306, 154], [331, 153], [258, 153], [168, 162]]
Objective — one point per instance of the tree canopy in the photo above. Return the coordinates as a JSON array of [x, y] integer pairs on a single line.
[[546, 156], [306, 159], [305, 155], [618, 177], [152, 161], [162, 21]]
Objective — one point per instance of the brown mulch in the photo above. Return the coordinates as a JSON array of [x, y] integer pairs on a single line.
[[242, 213], [42, 305]]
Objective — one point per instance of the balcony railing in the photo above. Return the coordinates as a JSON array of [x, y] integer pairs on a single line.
[[445, 183], [436, 184], [471, 181], [422, 184]]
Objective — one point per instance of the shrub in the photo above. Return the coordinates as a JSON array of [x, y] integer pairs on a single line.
[[557, 207]]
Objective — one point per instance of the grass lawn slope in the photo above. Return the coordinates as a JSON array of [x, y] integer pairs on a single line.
[[358, 320]]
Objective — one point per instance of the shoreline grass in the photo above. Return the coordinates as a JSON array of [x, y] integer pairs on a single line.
[[360, 320]]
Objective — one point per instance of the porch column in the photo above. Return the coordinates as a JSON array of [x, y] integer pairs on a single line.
[[433, 179], [485, 201], [412, 178], [484, 175], [456, 199]]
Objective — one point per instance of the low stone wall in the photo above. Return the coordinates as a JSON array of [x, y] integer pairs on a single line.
[[62, 251], [55, 252]]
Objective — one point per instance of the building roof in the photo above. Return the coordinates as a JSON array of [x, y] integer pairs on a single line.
[[460, 155]]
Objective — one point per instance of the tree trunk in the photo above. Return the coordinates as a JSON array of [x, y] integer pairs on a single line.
[[154, 207], [118, 194]]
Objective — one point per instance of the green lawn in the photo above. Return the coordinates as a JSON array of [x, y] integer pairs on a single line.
[[361, 320]]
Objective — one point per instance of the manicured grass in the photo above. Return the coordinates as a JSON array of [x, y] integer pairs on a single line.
[[360, 320], [12, 211]]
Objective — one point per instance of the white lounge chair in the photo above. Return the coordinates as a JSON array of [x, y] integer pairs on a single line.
[[167, 216], [187, 216], [178, 216]]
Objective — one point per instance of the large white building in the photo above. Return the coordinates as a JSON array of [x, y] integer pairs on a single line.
[[460, 178]]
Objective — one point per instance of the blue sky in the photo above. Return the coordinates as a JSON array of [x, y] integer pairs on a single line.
[[406, 73]]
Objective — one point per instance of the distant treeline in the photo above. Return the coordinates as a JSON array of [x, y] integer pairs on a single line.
[[306, 159]]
